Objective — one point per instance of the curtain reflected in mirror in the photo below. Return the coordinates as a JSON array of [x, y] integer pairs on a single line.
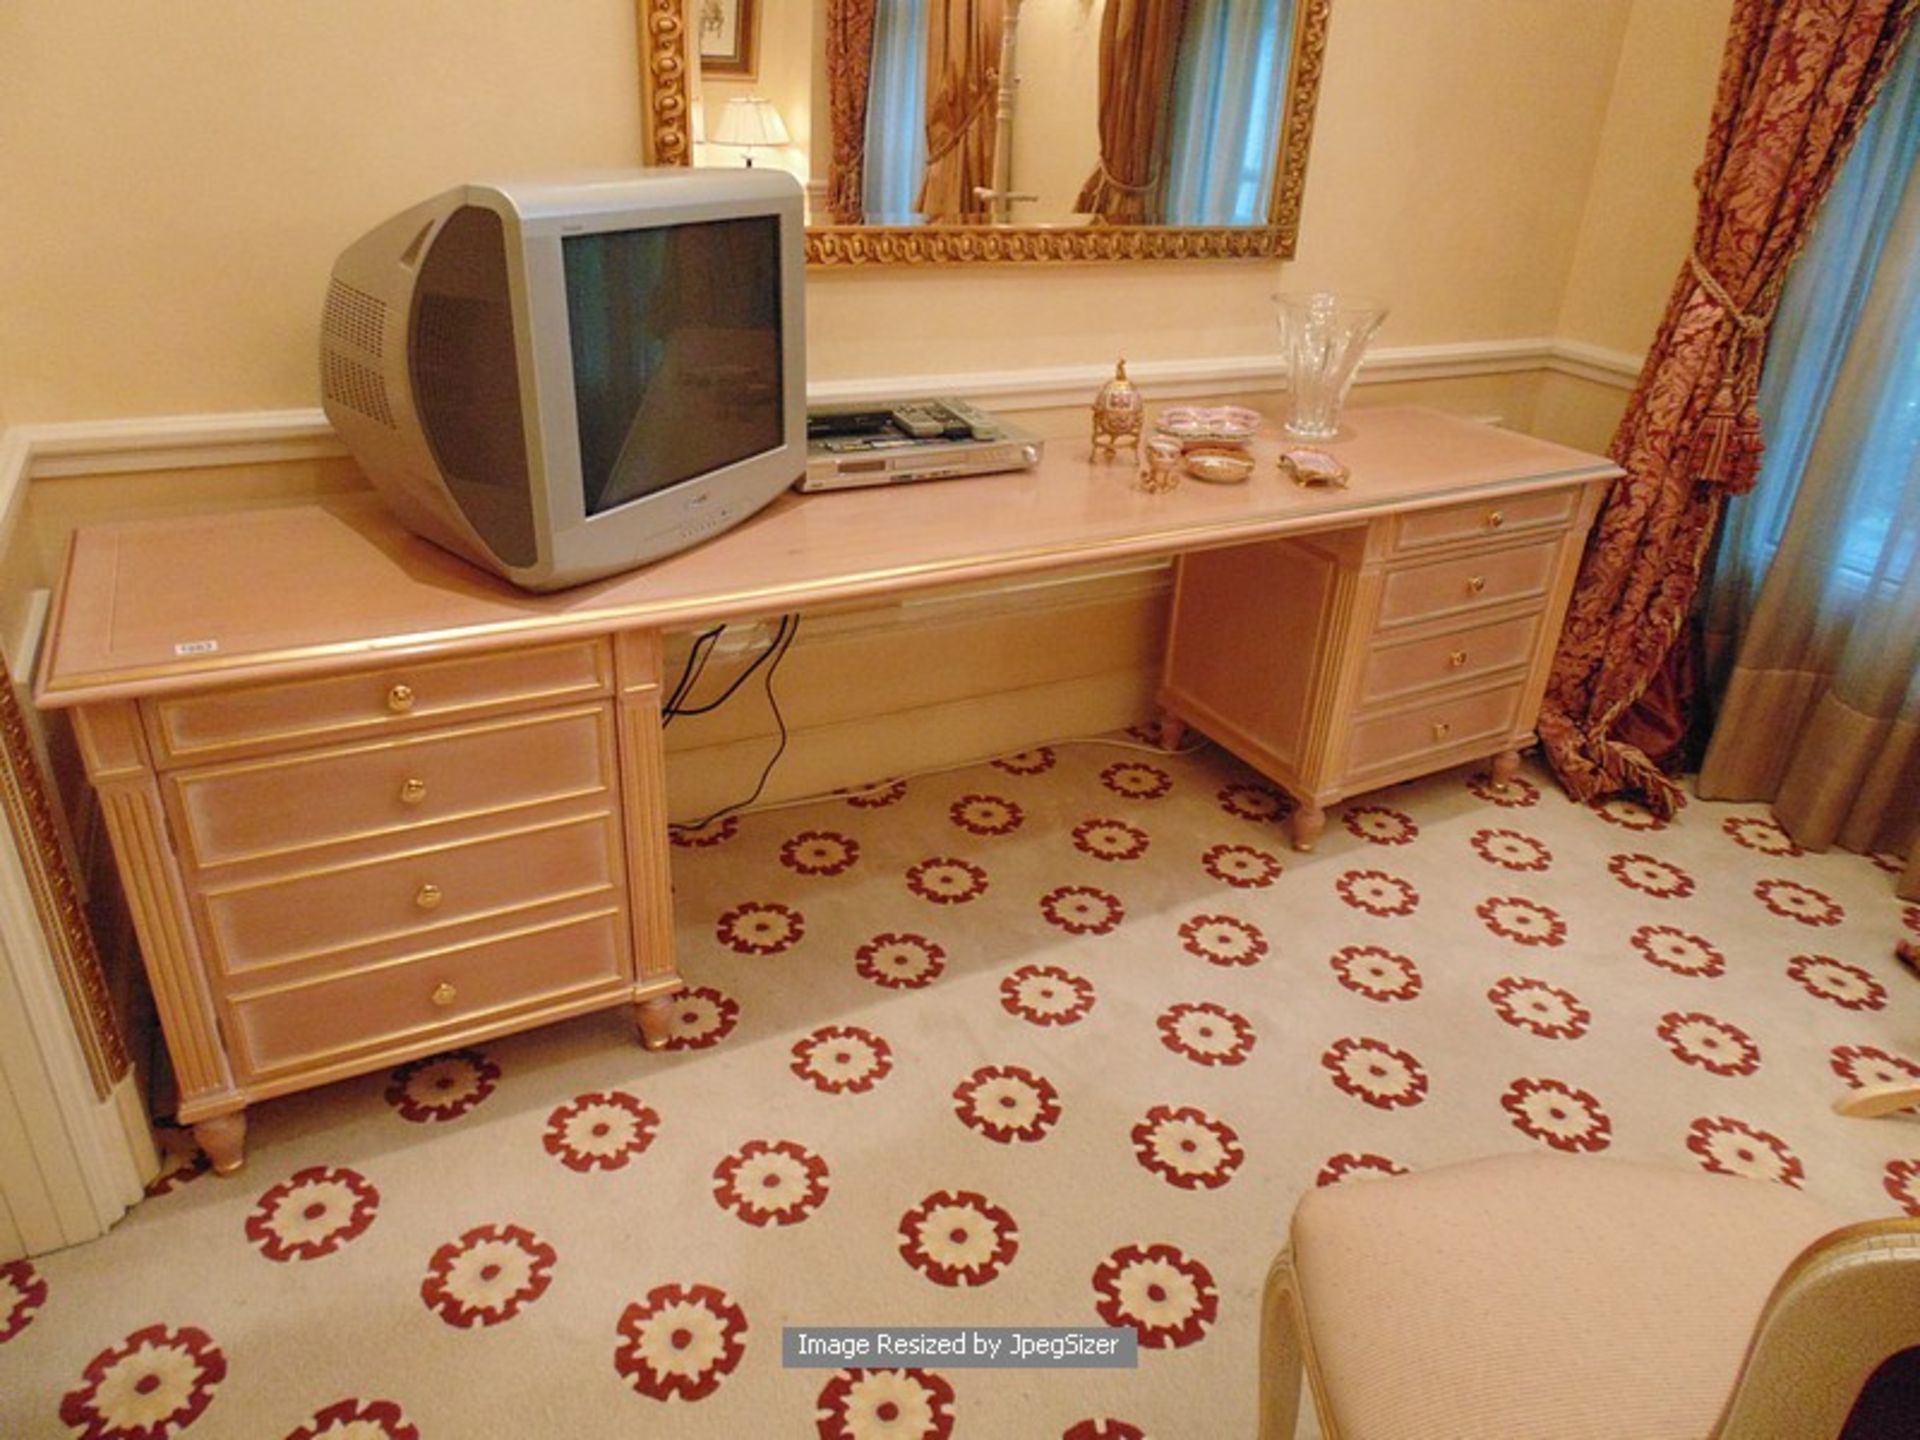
[[1058, 112], [896, 120], [1031, 131], [1228, 90]]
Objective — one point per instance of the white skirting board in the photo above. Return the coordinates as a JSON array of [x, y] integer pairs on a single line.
[[70, 1164]]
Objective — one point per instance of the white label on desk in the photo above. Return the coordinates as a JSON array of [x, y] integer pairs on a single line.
[[196, 647]]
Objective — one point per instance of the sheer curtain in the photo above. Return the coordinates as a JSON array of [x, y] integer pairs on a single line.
[[1221, 158], [896, 150], [1814, 615]]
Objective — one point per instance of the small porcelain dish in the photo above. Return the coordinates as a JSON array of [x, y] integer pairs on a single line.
[[1208, 424], [1219, 467], [1308, 466]]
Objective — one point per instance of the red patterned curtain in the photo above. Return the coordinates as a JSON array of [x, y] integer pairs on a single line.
[[849, 77], [1795, 82]]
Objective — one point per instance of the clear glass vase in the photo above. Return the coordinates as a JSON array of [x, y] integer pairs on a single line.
[[1323, 338]]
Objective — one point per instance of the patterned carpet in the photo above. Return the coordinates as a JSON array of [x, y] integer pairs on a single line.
[[1053, 1041]]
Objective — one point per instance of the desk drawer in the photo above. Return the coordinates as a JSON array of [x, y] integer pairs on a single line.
[[428, 1000], [254, 809], [1430, 730], [256, 718], [1467, 583], [1483, 519], [1398, 669], [405, 896]]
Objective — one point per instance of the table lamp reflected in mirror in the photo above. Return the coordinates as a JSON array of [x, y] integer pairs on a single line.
[[752, 123]]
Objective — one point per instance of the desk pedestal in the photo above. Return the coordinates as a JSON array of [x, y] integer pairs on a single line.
[[1335, 664]]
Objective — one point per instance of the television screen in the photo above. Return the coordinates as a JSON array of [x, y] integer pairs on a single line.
[[677, 354]]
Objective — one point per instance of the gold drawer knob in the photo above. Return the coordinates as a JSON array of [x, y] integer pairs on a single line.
[[1476, 583], [400, 699], [1495, 519], [428, 896], [412, 791], [1442, 729], [443, 994], [1456, 659]]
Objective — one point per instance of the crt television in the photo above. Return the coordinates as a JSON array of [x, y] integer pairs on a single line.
[[564, 379]]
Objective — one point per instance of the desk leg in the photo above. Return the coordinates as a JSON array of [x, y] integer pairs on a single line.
[[114, 746], [1305, 827], [224, 1138], [1173, 730], [643, 794], [1506, 765], [655, 1019]]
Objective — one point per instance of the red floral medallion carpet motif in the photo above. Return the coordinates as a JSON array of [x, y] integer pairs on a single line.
[[1055, 1040]]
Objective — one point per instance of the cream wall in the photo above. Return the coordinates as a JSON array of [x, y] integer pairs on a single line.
[[179, 178], [1638, 220]]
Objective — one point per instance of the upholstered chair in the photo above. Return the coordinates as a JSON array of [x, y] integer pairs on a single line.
[[1537, 1297], [1872, 1101], [1869, 1102]]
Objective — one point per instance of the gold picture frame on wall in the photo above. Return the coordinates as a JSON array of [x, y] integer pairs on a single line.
[[725, 30], [669, 46], [27, 811]]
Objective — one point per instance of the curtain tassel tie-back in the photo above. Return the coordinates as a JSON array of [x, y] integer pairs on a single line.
[[985, 95], [1726, 449]]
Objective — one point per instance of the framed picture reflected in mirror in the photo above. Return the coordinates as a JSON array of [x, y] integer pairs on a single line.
[[726, 37]]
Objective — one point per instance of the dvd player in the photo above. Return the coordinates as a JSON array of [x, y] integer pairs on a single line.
[[896, 441]]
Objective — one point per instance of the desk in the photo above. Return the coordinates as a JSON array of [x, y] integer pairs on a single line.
[[369, 803]]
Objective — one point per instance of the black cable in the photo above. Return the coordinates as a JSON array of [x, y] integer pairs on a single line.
[[725, 695], [783, 642], [696, 661], [692, 670]]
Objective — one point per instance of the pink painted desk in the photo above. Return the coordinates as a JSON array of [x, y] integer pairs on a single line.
[[369, 803]]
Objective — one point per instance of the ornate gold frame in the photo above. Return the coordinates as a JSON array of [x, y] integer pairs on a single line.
[[28, 812], [665, 50]]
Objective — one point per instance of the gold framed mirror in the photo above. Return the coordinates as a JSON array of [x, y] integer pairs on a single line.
[[1213, 168]]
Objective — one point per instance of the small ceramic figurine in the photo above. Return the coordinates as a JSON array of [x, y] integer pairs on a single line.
[[1163, 465], [1118, 414]]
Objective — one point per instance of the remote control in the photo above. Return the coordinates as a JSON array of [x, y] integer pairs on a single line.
[[921, 420]]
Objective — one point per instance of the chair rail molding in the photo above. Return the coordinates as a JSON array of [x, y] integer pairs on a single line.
[[31, 452], [1596, 363]]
